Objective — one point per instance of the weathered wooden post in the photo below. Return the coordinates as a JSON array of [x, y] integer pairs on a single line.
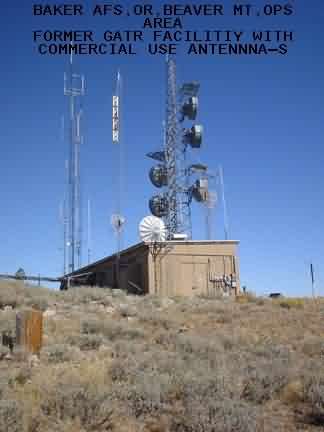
[[29, 330]]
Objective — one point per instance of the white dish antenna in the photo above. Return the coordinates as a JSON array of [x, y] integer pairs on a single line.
[[152, 229]]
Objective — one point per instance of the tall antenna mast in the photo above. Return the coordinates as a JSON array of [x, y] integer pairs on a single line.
[[62, 214], [117, 219], [64, 205], [74, 89], [89, 232]]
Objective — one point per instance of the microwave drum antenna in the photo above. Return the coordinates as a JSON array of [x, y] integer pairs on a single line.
[[189, 108], [158, 205], [193, 136], [200, 190], [158, 176]]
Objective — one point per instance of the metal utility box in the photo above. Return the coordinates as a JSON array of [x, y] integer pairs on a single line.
[[172, 268]]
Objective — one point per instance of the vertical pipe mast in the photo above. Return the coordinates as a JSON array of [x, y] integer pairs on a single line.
[[74, 89], [221, 177], [89, 232]]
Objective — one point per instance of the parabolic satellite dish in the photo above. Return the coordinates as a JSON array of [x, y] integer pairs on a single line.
[[152, 229]]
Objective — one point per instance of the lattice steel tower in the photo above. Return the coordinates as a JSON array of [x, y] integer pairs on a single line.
[[74, 88], [172, 173]]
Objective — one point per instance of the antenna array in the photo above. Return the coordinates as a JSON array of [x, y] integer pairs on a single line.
[[172, 174]]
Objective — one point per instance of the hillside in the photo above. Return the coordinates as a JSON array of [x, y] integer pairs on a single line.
[[112, 362]]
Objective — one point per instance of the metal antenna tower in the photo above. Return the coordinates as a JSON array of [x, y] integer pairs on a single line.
[[117, 219], [74, 89], [65, 223], [178, 219], [171, 137], [172, 173], [62, 218], [63, 206]]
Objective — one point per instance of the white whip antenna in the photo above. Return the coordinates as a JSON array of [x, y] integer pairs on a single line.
[[89, 232], [221, 177]]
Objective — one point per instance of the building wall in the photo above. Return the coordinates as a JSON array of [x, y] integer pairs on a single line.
[[132, 276], [192, 268]]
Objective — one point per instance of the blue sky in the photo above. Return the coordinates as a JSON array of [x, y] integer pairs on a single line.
[[263, 121]]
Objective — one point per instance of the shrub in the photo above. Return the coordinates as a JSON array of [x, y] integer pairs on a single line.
[[89, 342], [314, 395], [85, 295], [313, 346], [7, 322], [3, 386], [41, 303], [23, 375], [148, 394], [156, 319], [92, 326], [292, 303], [265, 380], [127, 311], [10, 416], [293, 392], [77, 401], [225, 415], [3, 352], [248, 297], [40, 298], [11, 294], [58, 353], [118, 330]]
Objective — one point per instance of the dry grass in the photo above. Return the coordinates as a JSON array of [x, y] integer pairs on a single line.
[[112, 362]]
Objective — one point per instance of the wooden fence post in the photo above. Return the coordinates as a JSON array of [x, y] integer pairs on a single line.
[[29, 330]]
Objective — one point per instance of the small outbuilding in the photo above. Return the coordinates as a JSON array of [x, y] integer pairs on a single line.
[[168, 268]]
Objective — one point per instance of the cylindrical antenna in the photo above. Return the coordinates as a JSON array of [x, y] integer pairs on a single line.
[[221, 177]]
